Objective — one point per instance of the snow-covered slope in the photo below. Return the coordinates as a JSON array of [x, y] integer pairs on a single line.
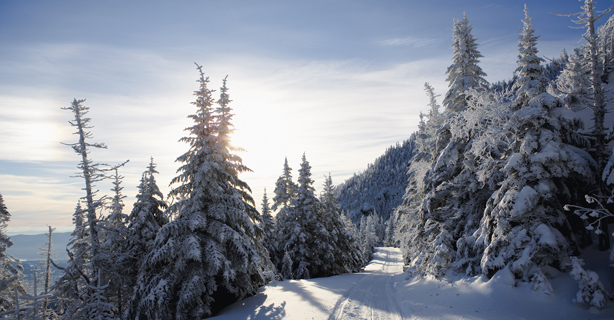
[[381, 291], [380, 187]]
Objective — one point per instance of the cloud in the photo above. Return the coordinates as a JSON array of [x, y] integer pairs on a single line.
[[35, 202], [342, 113], [410, 41]]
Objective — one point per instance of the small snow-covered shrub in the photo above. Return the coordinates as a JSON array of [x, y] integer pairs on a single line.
[[591, 289], [541, 283]]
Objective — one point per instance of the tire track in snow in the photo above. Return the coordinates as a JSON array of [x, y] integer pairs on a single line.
[[373, 296]]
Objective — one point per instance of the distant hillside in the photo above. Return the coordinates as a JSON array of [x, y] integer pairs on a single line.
[[27, 247], [381, 186]]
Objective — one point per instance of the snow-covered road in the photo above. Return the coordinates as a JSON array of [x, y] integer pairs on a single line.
[[370, 294], [382, 291], [374, 296]]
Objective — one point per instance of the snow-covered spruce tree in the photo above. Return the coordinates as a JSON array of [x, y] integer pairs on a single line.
[[322, 229], [225, 128], [591, 290], [426, 144], [464, 73], [346, 249], [96, 305], [296, 226], [285, 188], [531, 80], [536, 168], [523, 225], [442, 199], [207, 257], [146, 218], [144, 222], [269, 239], [114, 232], [452, 196], [286, 267], [310, 234], [350, 227], [369, 237], [10, 267], [71, 286], [572, 85], [405, 223]]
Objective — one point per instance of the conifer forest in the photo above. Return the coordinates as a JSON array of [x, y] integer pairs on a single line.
[[511, 179]]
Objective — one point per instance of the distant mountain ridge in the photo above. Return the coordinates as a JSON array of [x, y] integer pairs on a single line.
[[27, 247]]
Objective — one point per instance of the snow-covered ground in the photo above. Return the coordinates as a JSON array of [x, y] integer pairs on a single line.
[[382, 291]]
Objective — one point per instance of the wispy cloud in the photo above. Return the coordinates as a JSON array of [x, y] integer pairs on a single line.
[[410, 41], [342, 113]]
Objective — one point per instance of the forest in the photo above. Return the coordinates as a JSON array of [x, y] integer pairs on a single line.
[[513, 177]]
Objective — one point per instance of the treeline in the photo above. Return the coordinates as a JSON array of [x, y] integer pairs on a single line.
[[508, 177]]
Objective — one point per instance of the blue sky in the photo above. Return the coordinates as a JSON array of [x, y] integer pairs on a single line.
[[338, 80]]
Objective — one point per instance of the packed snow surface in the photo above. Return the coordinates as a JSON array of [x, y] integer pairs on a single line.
[[382, 291]]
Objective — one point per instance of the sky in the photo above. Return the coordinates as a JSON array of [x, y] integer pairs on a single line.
[[338, 80]]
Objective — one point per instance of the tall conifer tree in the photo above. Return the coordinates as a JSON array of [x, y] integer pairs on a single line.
[[207, 257], [294, 225], [531, 80], [464, 73], [91, 172]]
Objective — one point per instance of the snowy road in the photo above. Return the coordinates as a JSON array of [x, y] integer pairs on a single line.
[[382, 292], [370, 294], [374, 296]]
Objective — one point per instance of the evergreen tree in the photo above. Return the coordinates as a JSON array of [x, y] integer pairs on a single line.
[[368, 235], [10, 267], [147, 215], [346, 250], [464, 73], [572, 86], [404, 222], [296, 226], [446, 196], [144, 222], [114, 235], [286, 267], [71, 286], [285, 188], [350, 227], [96, 305], [269, 239], [523, 223], [531, 80], [207, 257]]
